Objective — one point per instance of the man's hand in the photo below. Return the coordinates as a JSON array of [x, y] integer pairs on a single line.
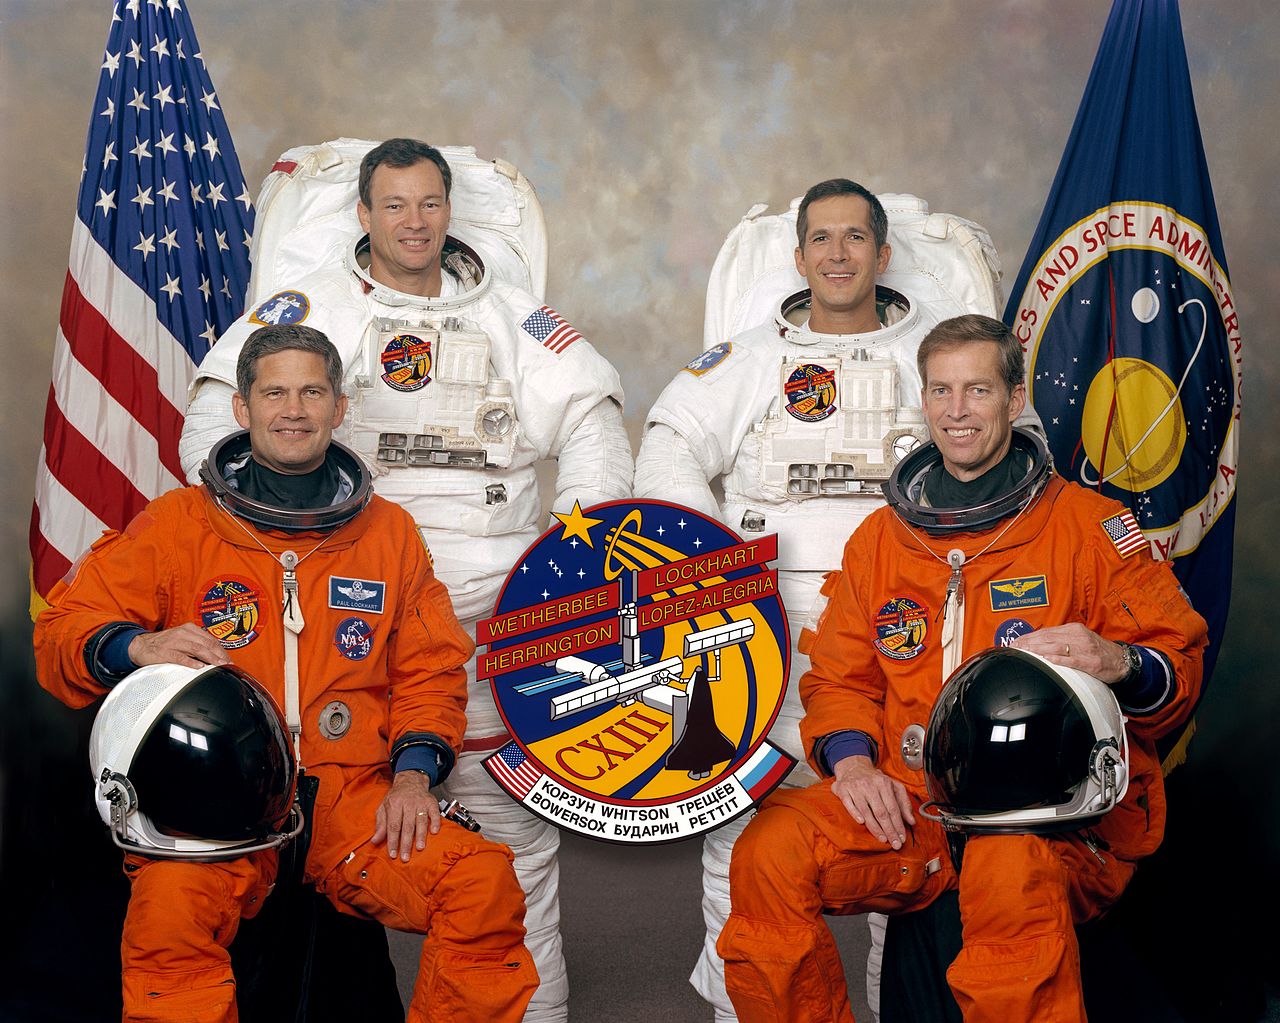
[[186, 644], [874, 799], [1077, 646], [407, 814]]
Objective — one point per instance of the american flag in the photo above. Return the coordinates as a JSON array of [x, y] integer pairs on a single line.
[[1123, 531], [158, 268], [512, 770], [549, 327]]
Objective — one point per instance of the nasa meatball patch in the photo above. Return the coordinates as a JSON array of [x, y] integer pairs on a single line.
[[354, 639], [1010, 629], [283, 307]]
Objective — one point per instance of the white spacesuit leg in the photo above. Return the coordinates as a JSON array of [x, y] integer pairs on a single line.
[[877, 923], [534, 843], [799, 590]]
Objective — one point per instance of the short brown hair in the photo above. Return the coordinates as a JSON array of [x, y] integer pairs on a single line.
[[960, 330], [842, 186], [401, 153]]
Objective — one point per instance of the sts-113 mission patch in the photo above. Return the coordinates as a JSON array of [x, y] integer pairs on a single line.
[[639, 654]]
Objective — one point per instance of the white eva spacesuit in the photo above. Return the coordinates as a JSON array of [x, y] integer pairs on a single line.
[[453, 402], [800, 429]]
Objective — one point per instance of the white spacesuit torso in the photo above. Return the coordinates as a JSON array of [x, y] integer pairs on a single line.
[[801, 426], [453, 400]]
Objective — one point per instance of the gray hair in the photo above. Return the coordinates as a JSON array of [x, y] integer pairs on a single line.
[[286, 337]]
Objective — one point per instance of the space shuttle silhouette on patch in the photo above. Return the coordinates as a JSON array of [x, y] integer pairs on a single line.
[[699, 744]]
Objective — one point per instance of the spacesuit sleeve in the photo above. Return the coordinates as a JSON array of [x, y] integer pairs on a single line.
[[668, 470], [696, 427], [124, 577], [426, 655], [209, 417], [844, 687], [1138, 600], [595, 460]]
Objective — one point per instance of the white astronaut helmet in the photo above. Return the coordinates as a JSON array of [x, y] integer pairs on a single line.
[[193, 763], [1016, 744]]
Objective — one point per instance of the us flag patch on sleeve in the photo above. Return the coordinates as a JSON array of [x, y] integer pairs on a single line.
[[550, 329], [1122, 530]]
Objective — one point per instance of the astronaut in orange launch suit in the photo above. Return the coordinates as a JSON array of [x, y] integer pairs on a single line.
[[379, 637], [1020, 558]]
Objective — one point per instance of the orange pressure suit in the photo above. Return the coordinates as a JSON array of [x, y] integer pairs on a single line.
[[877, 668], [391, 651]]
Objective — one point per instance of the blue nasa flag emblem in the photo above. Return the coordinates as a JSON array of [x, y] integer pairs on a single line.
[[1125, 310]]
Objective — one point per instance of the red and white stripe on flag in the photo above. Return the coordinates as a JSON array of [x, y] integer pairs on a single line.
[[113, 416]]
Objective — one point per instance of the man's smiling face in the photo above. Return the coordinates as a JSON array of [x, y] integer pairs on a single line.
[[840, 262]]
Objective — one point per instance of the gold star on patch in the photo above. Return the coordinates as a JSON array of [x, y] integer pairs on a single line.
[[577, 524]]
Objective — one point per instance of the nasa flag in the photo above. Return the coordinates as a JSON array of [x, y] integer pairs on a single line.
[[1125, 311]]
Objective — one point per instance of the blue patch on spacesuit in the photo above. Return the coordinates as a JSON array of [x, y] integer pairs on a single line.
[[406, 362], [357, 594], [810, 393], [1010, 629], [710, 359], [354, 639], [1022, 591], [901, 627], [283, 307]]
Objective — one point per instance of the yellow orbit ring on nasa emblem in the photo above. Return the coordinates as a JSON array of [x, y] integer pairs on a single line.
[[1147, 430]]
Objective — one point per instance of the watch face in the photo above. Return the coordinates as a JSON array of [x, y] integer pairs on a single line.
[[1135, 658]]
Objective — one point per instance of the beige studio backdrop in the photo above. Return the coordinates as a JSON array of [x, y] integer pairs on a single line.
[[648, 128]]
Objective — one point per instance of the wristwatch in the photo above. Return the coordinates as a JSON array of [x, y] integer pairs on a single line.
[[1133, 658]]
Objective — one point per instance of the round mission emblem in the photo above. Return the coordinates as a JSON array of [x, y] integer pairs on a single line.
[[638, 654]]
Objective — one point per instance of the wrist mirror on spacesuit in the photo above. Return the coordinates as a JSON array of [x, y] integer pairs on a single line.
[[193, 763], [1016, 745]]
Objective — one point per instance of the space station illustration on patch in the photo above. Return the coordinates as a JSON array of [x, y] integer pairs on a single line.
[[638, 653]]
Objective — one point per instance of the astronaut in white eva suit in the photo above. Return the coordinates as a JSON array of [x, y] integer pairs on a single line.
[[459, 381], [805, 401]]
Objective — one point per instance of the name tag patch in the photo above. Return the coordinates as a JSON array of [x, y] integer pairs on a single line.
[[1022, 591], [357, 594]]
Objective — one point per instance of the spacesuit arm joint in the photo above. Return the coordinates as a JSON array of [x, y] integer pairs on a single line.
[[1151, 689], [833, 748]]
